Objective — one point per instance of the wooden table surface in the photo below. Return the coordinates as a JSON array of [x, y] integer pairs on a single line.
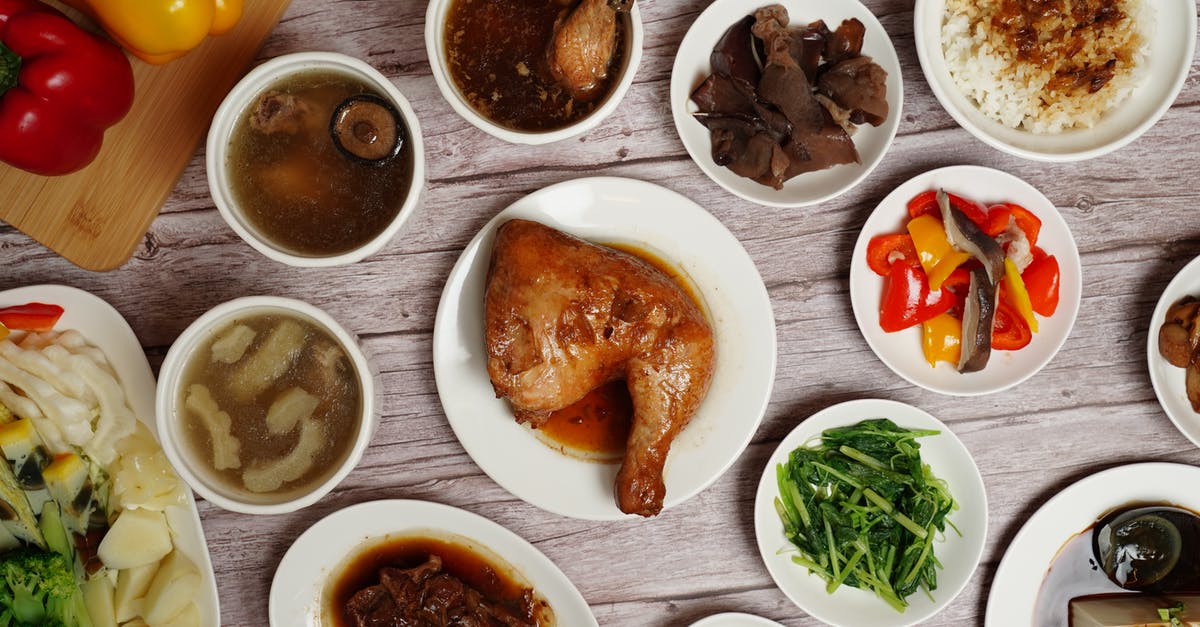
[[1132, 213]]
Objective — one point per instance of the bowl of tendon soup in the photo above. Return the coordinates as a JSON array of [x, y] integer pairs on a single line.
[[315, 159], [265, 404]]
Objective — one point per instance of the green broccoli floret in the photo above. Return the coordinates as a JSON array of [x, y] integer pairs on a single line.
[[39, 588]]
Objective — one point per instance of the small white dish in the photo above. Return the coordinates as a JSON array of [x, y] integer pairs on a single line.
[[949, 460], [297, 590], [735, 619], [196, 472], [435, 29], [234, 106], [692, 67], [676, 230], [901, 351], [1019, 577], [1172, 46], [1170, 382], [105, 328]]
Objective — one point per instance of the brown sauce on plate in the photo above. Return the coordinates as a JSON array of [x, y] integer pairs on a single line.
[[495, 580], [496, 50]]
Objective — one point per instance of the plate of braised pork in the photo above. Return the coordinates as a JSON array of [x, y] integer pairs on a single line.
[[604, 348], [965, 280], [412, 562], [786, 104]]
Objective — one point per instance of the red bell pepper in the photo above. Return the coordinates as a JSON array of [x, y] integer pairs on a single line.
[[882, 250], [998, 216], [31, 317], [1041, 281], [926, 203], [1009, 330], [60, 88], [907, 299]]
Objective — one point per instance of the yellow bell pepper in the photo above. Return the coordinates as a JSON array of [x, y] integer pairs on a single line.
[[934, 251], [3, 331], [1019, 294], [158, 31], [941, 339]]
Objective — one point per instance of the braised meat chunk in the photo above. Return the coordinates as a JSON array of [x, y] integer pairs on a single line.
[[785, 100], [426, 596], [563, 316]]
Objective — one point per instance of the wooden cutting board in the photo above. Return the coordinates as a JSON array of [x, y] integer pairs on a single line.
[[96, 216]]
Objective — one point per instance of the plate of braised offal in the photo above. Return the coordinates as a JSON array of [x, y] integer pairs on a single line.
[[604, 348], [398, 562]]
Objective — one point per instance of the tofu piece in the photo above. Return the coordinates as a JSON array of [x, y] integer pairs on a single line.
[[1131, 610]]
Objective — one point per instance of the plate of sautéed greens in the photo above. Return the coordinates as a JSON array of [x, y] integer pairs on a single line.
[[871, 513]]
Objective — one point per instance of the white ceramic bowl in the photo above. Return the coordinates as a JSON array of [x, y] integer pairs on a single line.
[[1170, 382], [195, 471], [1172, 45], [901, 351], [236, 102], [435, 22], [692, 67], [959, 555]]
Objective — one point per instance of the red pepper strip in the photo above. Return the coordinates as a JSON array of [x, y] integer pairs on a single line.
[[60, 88], [907, 299], [958, 284], [1041, 281], [1025, 220], [882, 250], [926, 203], [31, 317], [1009, 331]]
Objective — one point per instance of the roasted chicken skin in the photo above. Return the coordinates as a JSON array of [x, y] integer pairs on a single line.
[[582, 46], [563, 316]]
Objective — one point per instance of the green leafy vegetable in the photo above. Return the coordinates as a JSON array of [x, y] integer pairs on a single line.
[[864, 511], [1172, 614], [39, 588]]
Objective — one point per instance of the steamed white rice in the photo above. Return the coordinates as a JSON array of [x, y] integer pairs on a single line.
[[983, 62]]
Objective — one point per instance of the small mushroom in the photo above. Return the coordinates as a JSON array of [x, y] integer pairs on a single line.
[[1173, 344], [367, 129]]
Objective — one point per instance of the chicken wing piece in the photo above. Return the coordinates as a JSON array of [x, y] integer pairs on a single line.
[[563, 316], [582, 46]]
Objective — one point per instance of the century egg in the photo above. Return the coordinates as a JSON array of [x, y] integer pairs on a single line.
[[271, 404], [320, 163], [1152, 548]]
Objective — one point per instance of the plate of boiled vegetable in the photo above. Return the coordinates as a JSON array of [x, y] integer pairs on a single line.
[[965, 280], [99, 528], [871, 513]]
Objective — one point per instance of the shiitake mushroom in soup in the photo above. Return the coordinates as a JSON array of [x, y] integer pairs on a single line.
[[320, 163], [271, 404]]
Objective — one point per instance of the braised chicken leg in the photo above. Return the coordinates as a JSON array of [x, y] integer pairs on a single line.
[[563, 316], [582, 46]]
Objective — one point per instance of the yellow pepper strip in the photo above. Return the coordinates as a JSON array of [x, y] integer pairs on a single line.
[[3, 331], [158, 31], [1018, 293], [937, 256], [941, 339]]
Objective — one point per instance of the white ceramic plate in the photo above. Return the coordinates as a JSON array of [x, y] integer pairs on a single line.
[[1172, 45], [1019, 577], [735, 619], [301, 576], [692, 67], [1170, 382], [104, 328], [851, 607], [678, 231], [901, 351]]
